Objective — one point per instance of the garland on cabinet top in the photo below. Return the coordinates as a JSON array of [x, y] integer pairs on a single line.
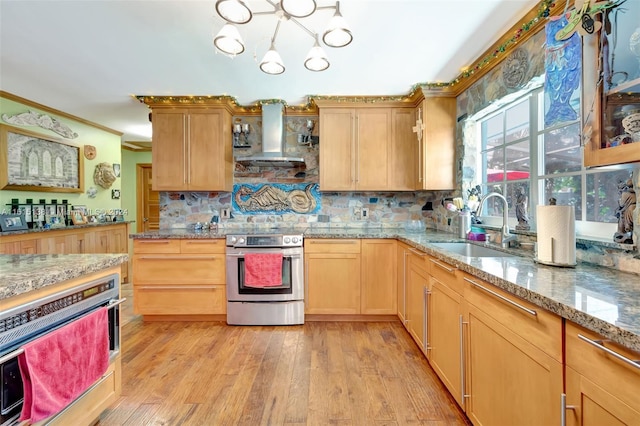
[[543, 12]]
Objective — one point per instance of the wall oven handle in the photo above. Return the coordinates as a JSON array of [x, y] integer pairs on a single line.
[[11, 355]]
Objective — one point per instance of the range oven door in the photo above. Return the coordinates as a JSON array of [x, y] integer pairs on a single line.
[[292, 276]]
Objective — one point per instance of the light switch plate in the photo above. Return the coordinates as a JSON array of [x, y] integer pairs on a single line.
[[226, 213]]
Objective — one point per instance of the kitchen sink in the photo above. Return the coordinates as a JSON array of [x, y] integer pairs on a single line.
[[471, 250]]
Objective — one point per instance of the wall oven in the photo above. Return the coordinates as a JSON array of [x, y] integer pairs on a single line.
[[26, 322], [281, 304]]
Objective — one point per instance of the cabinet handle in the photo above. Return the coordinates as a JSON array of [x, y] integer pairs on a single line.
[[463, 371], [153, 241], [404, 285], [418, 253], [357, 158], [501, 297], [164, 257], [446, 268], [185, 135], [188, 169], [200, 242], [564, 407], [420, 161], [176, 287], [425, 309], [599, 344], [328, 241]]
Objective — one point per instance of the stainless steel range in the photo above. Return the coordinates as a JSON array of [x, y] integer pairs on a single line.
[[252, 303]]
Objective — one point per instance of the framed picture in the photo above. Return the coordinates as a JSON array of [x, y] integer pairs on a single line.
[[55, 221], [12, 222], [116, 169], [78, 217], [115, 194], [38, 163]]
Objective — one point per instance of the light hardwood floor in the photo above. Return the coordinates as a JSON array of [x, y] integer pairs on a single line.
[[321, 373]]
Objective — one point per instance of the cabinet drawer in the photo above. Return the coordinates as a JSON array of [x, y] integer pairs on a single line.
[[417, 259], [541, 328], [87, 408], [602, 367], [446, 274], [331, 246], [156, 246], [180, 300], [178, 269], [202, 246]]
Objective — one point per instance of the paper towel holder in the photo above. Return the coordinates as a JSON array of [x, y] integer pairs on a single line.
[[552, 202]]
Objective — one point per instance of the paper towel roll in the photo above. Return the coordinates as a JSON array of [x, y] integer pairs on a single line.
[[556, 235]]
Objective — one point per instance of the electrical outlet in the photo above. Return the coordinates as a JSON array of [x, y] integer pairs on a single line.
[[226, 213], [365, 213]]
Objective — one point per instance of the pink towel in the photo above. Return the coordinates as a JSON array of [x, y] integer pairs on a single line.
[[59, 366], [263, 269]]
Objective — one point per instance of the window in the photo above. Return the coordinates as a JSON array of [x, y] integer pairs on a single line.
[[520, 152]]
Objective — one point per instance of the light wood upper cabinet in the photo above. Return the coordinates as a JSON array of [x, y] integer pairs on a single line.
[[355, 151], [404, 150], [437, 152], [192, 149]]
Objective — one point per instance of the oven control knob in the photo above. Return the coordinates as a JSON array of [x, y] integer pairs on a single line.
[[240, 240], [287, 240], [294, 240], [233, 240]]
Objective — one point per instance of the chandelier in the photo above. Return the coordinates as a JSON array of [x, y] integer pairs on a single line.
[[236, 12]]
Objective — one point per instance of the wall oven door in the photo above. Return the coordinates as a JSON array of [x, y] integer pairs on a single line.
[[292, 276], [27, 322]]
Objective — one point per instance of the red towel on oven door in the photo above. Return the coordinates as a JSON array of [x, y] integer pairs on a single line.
[[263, 269], [57, 367]]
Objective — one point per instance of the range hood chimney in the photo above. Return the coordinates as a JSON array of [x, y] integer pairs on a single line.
[[273, 142]]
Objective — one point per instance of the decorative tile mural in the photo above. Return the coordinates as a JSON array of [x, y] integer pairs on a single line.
[[275, 198]]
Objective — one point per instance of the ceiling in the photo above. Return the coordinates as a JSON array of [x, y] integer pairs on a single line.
[[88, 57]]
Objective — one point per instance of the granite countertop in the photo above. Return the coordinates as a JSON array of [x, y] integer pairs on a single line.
[[23, 273], [600, 299], [63, 228]]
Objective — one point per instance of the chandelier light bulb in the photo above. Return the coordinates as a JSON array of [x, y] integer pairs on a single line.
[[234, 11], [316, 58], [338, 33], [228, 40], [298, 8], [272, 62]]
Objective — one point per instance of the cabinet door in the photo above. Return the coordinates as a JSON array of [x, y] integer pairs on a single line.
[[509, 381], [168, 151], [379, 294], [438, 151], [417, 286], [337, 150], [445, 338], [102, 242], [57, 244], [208, 164], [403, 272], [373, 148], [179, 300], [592, 405], [404, 150], [78, 242], [332, 283]]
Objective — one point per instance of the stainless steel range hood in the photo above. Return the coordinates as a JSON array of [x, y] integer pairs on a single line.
[[273, 142]]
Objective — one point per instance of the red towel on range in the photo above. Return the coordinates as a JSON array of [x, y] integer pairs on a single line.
[[59, 366], [263, 269]]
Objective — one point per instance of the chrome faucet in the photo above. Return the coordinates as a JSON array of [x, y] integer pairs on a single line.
[[507, 237]]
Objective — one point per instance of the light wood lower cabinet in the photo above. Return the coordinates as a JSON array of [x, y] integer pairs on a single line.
[[107, 238], [402, 253], [350, 276], [179, 277], [378, 295], [332, 282], [602, 380], [513, 359], [444, 321], [417, 287]]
